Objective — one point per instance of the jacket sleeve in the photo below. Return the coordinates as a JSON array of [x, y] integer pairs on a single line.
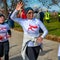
[[9, 32], [14, 18], [42, 26]]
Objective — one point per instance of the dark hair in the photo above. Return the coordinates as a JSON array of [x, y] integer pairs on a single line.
[[27, 9], [2, 15]]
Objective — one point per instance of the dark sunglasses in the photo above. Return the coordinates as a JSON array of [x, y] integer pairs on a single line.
[[30, 13]]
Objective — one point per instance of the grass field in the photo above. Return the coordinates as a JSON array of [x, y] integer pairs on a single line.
[[53, 27]]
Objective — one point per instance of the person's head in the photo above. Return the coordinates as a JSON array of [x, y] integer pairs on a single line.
[[29, 12], [2, 18], [41, 10], [47, 11]]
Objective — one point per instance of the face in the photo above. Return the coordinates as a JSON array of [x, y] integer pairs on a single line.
[[2, 19], [30, 14]]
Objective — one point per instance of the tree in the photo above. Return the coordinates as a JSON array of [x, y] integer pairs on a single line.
[[56, 2], [50, 4], [13, 3], [5, 8]]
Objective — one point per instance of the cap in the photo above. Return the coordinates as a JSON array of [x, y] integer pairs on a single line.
[[27, 9]]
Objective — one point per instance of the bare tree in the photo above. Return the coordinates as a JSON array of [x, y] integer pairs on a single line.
[[5, 7], [50, 4], [13, 3], [55, 2]]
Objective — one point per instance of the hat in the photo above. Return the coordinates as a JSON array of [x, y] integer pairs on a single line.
[[2, 15], [27, 9]]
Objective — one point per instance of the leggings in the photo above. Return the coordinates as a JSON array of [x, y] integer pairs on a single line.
[[32, 52], [4, 50]]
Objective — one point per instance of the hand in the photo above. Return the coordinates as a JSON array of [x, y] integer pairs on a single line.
[[8, 36], [19, 5], [39, 40]]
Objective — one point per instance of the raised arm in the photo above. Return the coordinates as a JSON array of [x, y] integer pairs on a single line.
[[13, 16]]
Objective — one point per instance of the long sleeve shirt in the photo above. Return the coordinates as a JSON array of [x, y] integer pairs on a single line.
[[30, 27], [4, 32]]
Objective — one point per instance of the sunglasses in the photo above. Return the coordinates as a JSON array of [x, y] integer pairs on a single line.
[[30, 13]]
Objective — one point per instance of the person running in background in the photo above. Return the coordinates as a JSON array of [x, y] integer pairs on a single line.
[[32, 38], [21, 13], [47, 16], [10, 21], [5, 33], [41, 17], [41, 14], [36, 14]]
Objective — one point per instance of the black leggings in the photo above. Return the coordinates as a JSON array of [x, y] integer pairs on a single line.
[[4, 50], [32, 52], [6, 57]]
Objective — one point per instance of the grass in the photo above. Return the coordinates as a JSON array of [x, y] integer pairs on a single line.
[[53, 27], [17, 27]]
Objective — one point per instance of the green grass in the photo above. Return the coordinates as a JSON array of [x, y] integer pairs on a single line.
[[17, 26], [53, 27]]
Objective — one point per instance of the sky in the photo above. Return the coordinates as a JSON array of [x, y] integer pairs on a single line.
[[30, 3], [9, 2], [36, 3]]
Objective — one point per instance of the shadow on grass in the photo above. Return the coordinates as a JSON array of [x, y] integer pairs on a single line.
[[16, 58]]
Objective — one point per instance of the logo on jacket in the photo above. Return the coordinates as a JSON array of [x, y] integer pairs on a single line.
[[2, 29], [31, 27]]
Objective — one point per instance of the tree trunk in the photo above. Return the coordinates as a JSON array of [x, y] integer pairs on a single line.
[[5, 8]]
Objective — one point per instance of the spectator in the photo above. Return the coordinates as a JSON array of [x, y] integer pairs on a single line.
[[47, 16], [41, 14]]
